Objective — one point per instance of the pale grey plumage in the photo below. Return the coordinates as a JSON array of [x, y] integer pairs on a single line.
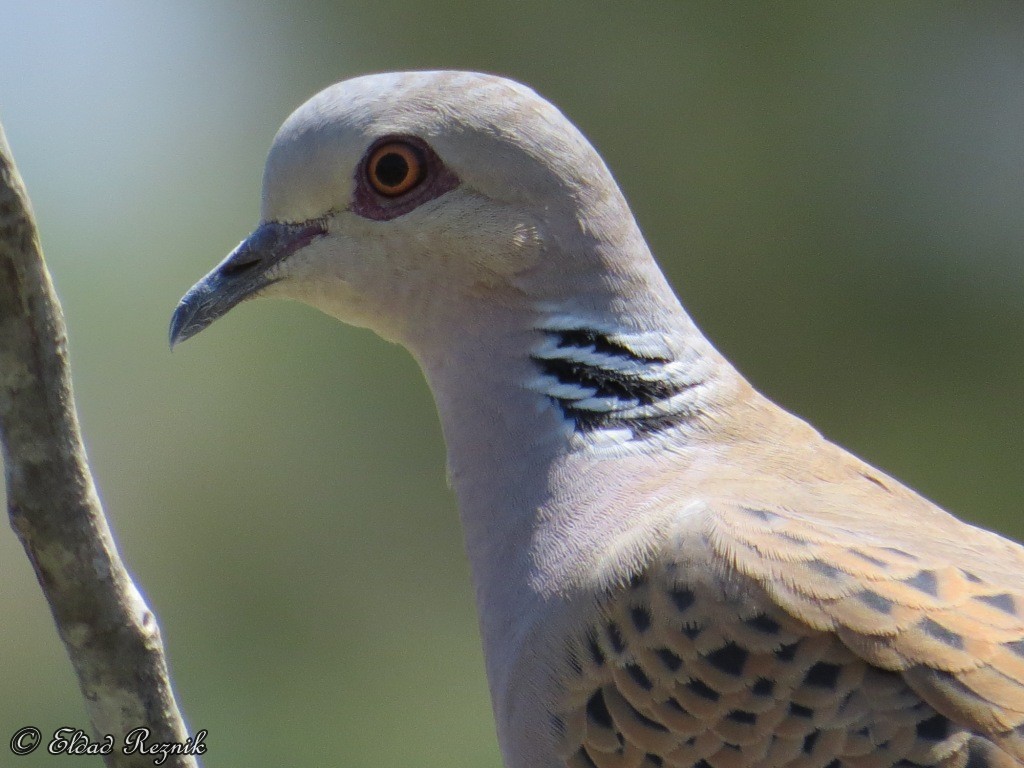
[[669, 569]]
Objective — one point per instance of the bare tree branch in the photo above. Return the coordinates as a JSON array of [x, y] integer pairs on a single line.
[[111, 635]]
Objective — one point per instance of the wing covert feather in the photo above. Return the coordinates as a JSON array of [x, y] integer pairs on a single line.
[[957, 637]]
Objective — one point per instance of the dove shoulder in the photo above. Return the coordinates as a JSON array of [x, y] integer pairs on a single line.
[[804, 609]]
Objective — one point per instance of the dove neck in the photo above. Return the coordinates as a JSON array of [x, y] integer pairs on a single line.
[[512, 390]]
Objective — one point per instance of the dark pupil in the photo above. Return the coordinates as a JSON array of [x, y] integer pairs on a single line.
[[392, 169]]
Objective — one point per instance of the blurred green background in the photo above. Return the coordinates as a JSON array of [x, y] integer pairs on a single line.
[[836, 191]]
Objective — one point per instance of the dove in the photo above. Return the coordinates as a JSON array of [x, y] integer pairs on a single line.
[[669, 569]]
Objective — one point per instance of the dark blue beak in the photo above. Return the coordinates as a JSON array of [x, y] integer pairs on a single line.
[[245, 272]]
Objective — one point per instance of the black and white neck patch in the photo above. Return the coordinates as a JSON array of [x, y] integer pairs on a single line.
[[603, 380]]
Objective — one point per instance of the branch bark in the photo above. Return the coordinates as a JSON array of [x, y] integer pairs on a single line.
[[110, 634]]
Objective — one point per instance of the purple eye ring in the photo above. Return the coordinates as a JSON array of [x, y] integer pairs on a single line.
[[398, 174]]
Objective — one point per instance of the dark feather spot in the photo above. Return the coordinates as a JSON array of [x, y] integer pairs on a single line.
[[585, 758], [639, 677], [760, 514], [810, 740], [730, 659], [823, 675], [671, 661], [645, 721], [845, 703], [763, 687], [901, 553], [765, 624], [875, 601], [595, 649], [641, 618], [970, 577], [682, 597], [787, 652], [940, 633], [702, 690], [637, 580], [823, 568], [676, 705], [798, 710], [835, 764], [978, 753], [1004, 602], [742, 717], [933, 729], [615, 637], [925, 581], [654, 760], [1017, 647], [691, 632], [793, 539], [869, 559], [597, 711]]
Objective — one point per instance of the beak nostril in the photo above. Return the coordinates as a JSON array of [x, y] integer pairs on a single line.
[[243, 273], [234, 267]]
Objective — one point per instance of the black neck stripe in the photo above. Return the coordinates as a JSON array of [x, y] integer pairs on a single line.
[[642, 383]]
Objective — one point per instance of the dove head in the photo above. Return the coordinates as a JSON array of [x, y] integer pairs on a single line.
[[466, 218], [390, 200]]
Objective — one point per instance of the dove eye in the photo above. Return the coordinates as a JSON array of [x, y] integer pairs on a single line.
[[395, 168], [397, 175]]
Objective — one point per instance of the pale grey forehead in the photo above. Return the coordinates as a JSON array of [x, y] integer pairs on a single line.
[[488, 128], [419, 101]]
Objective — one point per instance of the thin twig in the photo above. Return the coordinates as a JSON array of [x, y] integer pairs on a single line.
[[111, 635]]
